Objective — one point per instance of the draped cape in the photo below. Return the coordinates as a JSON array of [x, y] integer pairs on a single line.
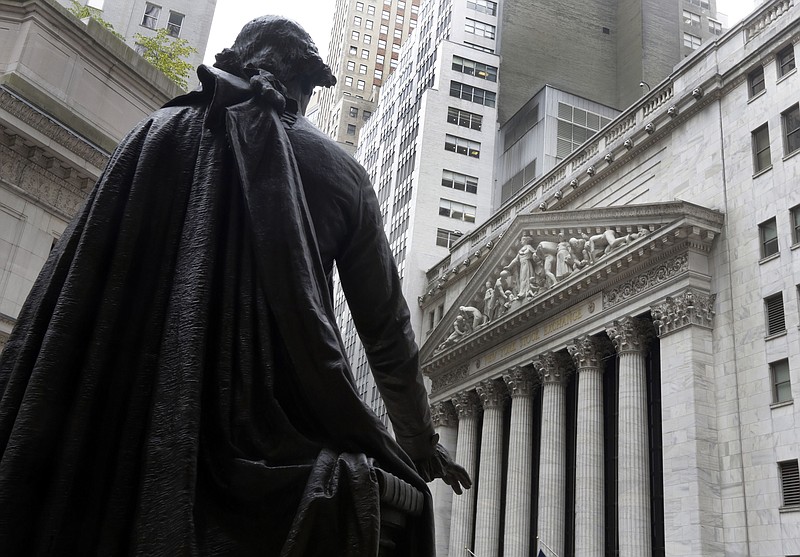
[[176, 383]]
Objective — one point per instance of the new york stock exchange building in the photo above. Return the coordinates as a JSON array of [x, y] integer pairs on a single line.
[[618, 352]]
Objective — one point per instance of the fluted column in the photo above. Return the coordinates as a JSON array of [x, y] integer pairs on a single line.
[[517, 534], [631, 337], [463, 509], [445, 421], [587, 354], [487, 521], [553, 369]]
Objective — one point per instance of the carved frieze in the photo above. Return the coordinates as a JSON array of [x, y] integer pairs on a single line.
[[491, 393], [520, 381], [466, 404], [687, 308], [646, 281], [552, 367], [449, 378], [630, 334], [443, 414]]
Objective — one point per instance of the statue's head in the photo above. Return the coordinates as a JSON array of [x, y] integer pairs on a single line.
[[281, 47]]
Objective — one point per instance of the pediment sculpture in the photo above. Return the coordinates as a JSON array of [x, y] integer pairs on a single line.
[[538, 265]]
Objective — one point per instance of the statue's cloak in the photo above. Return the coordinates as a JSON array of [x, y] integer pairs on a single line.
[[176, 383]]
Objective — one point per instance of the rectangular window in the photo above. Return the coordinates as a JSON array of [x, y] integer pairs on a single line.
[[483, 6], [365, 53], [458, 181], [479, 28], [755, 81], [357, 20], [359, 6], [385, 14], [794, 218], [384, 29], [446, 239], [370, 10], [761, 155], [379, 58], [714, 27], [398, 33], [351, 129], [462, 146], [785, 60], [692, 41], [701, 4], [355, 35], [353, 51], [378, 74], [353, 112], [174, 24], [399, 20], [470, 93], [368, 24], [351, 66], [362, 69], [470, 67], [790, 483], [360, 85], [691, 18], [151, 13], [348, 81], [367, 39], [791, 129], [464, 118], [776, 321], [381, 43], [781, 381], [768, 232], [456, 210], [365, 114]]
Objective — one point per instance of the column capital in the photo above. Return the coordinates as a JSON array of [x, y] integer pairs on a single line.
[[587, 351], [491, 393], [630, 334], [520, 381], [552, 367], [690, 307], [443, 413], [466, 404]]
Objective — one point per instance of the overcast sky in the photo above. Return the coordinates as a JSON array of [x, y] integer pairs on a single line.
[[316, 16]]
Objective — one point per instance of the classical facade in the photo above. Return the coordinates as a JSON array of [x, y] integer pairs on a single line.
[[620, 346], [69, 91]]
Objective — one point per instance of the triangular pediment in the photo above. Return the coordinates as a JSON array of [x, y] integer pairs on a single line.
[[545, 262]]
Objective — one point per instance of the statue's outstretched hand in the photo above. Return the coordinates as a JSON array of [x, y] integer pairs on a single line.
[[440, 465]]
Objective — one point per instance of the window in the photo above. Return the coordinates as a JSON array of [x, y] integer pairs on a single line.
[[470, 67], [459, 181], [755, 81], [701, 4], [464, 118], [365, 114], [398, 33], [395, 47], [359, 6], [353, 112], [381, 43], [794, 217], [776, 322], [368, 24], [781, 382], [479, 47], [462, 146], [446, 239], [483, 6], [379, 58], [355, 35], [351, 129], [348, 81], [367, 39], [785, 60], [791, 129], [370, 10], [574, 127], [378, 74], [385, 14], [384, 29], [357, 20], [714, 27], [691, 18], [353, 51], [174, 24], [768, 232], [362, 69], [456, 210], [364, 53], [479, 28], [398, 20], [351, 66], [151, 13], [692, 41], [790, 483], [360, 85], [470, 93], [761, 155]]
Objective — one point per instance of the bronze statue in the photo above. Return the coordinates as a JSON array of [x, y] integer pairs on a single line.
[[176, 383]]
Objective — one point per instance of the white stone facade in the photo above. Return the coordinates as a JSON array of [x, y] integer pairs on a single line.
[[699, 432]]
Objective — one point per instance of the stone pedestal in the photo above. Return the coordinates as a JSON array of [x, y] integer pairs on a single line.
[[517, 532], [589, 475], [445, 421], [487, 520], [631, 337], [463, 509]]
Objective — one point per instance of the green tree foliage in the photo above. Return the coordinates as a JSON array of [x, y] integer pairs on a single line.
[[82, 12], [167, 54]]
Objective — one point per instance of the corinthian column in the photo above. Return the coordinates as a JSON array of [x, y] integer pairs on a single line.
[[553, 369], [587, 352], [463, 510], [631, 337], [445, 421], [517, 535], [487, 521]]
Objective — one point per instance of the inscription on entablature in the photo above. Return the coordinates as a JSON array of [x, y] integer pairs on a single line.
[[646, 281]]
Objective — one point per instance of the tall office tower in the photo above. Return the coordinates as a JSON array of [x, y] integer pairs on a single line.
[[428, 148], [187, 19], [364, 47]]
